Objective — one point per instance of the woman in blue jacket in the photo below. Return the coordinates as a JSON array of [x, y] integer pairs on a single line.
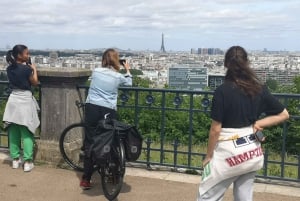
[[102, 100]]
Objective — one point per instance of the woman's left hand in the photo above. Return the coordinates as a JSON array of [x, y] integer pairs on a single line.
[[256, 128], [126, 66]]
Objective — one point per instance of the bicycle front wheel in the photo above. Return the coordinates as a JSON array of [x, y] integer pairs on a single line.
[[71, 145], [112, 173]]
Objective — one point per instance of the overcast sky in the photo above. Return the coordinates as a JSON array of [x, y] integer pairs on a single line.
[[138, 24]]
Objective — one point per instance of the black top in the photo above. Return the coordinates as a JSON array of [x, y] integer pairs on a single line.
[[235, 109], [18, 76]]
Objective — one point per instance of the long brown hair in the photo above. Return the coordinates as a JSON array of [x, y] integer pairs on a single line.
[[239, 71], [110, 58]]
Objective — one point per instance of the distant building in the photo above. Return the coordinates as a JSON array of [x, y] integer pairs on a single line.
[[210, 51], [282, 76], [53, 55], [39, 60], [215, 80], [193, 51], [186, 77]]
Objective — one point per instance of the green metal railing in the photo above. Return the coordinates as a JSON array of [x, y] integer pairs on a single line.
[[175, 126], [187, 152]]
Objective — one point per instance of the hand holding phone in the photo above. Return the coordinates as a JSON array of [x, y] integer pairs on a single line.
[[260, 136], [29, 61], [122, 62]]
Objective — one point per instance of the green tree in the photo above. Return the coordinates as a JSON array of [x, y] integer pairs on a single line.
[[272, 84], [133, 72], [140, 82], [275, 133]]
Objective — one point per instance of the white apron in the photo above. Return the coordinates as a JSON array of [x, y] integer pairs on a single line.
[[21, 108], [236, 153]]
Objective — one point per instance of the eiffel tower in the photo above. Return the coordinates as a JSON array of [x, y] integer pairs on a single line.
[[162, 48]]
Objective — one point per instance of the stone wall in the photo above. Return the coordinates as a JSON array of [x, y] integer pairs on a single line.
[[58, 109]]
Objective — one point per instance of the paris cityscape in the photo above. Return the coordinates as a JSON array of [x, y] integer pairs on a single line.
[[198, 69]]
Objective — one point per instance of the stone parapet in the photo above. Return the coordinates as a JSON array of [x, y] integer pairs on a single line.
[[59, 94]]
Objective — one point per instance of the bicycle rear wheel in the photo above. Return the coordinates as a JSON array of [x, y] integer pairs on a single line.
[[71, 145], [112, 174]]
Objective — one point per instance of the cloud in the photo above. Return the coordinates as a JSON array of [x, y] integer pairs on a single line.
[[66, 15], [138, 18]]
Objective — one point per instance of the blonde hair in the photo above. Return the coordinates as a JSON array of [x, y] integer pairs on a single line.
[[110, 58]]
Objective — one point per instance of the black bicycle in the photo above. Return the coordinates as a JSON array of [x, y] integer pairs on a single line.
[[112, 171]]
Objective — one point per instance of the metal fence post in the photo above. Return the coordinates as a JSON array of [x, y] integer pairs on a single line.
[[299, 166], [136, 109], [266, 157], [190, 129], [163, 125], [175, 144], [283, 150], [148, 142]]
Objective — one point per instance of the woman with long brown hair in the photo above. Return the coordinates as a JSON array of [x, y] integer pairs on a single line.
[[102, 100], [234, 152]]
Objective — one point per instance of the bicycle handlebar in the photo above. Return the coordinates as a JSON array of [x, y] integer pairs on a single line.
[[79, 104]]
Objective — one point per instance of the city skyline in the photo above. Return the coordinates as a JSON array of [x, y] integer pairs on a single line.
[[90, 24]]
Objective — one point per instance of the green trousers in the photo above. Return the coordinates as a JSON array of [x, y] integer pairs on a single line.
[[18, 134]]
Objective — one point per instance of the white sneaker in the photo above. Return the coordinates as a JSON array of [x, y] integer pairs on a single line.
[[28, 166], [16, 163]]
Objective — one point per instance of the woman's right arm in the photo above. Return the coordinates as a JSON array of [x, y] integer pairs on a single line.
[[274, 110], [33, 78]]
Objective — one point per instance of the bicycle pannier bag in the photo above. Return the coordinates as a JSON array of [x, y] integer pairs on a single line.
[[132, 140], [100, 149], [133, 144]]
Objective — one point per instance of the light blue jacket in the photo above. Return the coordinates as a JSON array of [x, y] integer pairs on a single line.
[[104, 87]]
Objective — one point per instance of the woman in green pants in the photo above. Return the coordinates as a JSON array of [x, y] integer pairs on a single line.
[[20, 113]]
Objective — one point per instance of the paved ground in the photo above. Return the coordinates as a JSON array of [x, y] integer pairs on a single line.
[[51, 184]]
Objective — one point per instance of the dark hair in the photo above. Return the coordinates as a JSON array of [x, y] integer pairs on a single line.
[[239, 71], [12, 55], [110, 58]]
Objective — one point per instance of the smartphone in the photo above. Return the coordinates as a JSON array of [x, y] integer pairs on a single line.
[[260, 136], [122, 61], [29, 61]]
